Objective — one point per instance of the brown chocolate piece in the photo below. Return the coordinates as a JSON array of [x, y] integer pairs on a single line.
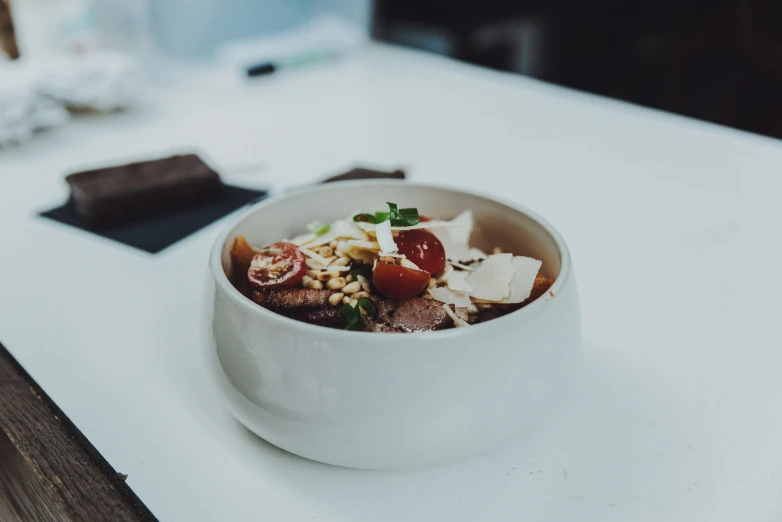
[[125, 193], [361, 173]]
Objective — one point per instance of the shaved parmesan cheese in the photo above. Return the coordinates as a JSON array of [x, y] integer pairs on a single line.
[[456, 239], [369, 245], [324, 239], [457, 321], [457, 281], [462, 228], [525, 269], [349, 230], [490, 281], [315, 257], [302, 239], [445, 295], [385, 238], [408, 264]]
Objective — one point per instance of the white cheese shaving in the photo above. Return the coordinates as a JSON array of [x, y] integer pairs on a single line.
[[302, 239], [385, 238], [525, 269], [369, 245], [314, 256], [315, 242], [457, 321], [457, 281], [456, 239], [490, 281], [408, 264], [349, 230], [445, 295]]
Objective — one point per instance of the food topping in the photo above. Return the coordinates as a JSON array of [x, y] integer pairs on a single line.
[[399, 282], [387, 271], [422, 248], [280, 264]]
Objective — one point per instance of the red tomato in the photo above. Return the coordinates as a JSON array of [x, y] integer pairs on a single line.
[[422, 248], [398, 282], [280, 264]]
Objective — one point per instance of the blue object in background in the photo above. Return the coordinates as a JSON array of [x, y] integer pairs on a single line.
[[195, 29]]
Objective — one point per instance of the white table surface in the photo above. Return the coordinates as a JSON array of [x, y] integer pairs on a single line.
[[674, 226]]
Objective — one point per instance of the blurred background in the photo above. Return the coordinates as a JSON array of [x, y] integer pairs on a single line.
[[719, 61]]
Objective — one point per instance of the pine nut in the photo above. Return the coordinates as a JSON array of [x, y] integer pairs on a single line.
[[335, 299], [353, 303], [352, 288], [349, 278], [306, 280], [432, 282], [360, 295], [336, 283], [496, 250], [325, 276], [342, 261], [428, 296], [314, 264], [387, 259], [315, 285], [313, 274], [346, 300], [333, 244], [364, 283], [326, 251]]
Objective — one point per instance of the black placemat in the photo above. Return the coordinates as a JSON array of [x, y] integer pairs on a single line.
[[154, 234]]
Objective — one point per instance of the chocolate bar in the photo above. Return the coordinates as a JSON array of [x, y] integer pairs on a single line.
[[125, 193], [361, 173]]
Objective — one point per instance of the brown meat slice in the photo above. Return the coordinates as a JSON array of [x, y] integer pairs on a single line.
[[328, 316], [376, 326], [413, 315], [542, 283], [292, 298]]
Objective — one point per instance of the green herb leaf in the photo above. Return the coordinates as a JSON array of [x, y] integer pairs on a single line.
[[354, 317], [318, 228], [405, 217], [363, 270], [367, 305]]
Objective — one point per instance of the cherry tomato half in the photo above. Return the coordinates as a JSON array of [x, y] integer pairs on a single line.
[[422, 248], [399, 282], [280, 264]]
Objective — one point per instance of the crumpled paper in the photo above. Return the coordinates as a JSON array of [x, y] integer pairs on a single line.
[[24, 110], [36, 95]]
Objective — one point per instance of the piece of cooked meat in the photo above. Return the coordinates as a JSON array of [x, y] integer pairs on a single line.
[[542, 283], [328, 316], [292, 297], [413, 315], [376, 326]]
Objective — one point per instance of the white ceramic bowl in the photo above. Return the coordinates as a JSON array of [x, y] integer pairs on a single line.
[[390, 401]]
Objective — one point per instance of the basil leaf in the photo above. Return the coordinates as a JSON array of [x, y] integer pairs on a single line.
[[364, 270], [354, 317], [367, 305], [381, 216]]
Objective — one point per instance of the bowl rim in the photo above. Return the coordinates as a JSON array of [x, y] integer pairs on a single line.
[[539, 305]]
